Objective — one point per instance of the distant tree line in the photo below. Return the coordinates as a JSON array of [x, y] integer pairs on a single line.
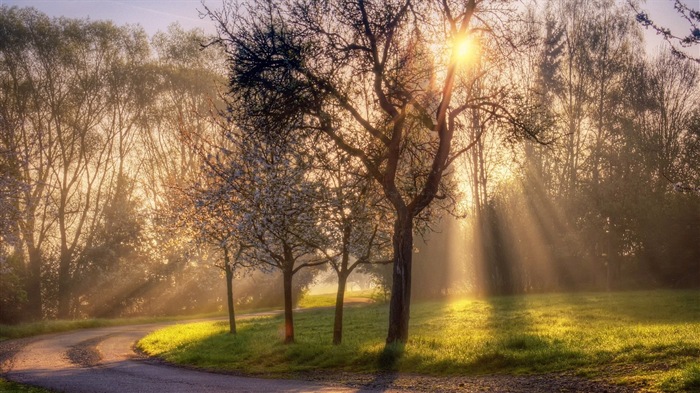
[[612, 201], [92, 155]]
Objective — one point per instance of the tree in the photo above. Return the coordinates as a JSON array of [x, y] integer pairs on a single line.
[[90, 124], [186, 86], [352, 220], [372, 66], [111, 269], [28, 53], [679, 43], [213, 216], [268, 185], [81, 100]]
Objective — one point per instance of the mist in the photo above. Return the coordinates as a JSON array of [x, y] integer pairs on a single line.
[[109, 135]]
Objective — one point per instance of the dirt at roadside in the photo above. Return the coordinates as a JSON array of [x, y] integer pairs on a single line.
[[8, 350], [547, 383], [85, 353]]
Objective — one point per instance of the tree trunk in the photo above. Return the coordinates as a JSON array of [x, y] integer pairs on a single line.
[[33, 285], [64, 285], [401, 288], [229, 293], [338, 322], [288, 318]]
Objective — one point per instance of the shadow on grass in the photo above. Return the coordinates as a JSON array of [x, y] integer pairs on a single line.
[[389, 357], [644, 307], [516, 345], [254, 352], [686, 379]]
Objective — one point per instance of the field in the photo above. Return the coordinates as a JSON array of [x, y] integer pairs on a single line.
[[328, 299], [647, 339]]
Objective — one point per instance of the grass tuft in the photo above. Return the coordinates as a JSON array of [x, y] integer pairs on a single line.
[[686, 379]]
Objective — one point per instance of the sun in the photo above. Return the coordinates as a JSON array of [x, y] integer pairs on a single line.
[[465, 50]]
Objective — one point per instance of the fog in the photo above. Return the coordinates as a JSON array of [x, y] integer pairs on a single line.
[[126, 190]]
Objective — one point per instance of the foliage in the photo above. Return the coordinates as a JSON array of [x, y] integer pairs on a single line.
[[568, 216], [12, 294], [92, 116], [261, 289]]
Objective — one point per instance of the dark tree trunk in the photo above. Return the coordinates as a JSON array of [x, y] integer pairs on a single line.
[[400, 304], [338, 321], [64, 290], [229, 293], [288, 317], [33, 285]]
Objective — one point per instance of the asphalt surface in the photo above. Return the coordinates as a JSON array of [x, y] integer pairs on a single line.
[[103, 361]]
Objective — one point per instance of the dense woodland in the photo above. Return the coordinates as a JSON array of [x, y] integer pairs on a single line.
[[139, 175]]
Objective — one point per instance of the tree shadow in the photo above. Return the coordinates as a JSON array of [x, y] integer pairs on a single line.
[[645, 307], [515, 342]]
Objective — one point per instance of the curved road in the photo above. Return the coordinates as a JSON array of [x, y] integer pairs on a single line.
[[50, 361]]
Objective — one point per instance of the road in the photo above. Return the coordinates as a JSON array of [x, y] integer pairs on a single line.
[[102, 360]]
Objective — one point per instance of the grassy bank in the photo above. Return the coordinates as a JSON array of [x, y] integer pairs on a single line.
[[12, 387], [648, 339], [56, 326]]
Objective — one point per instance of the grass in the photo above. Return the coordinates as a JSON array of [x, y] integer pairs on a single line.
[[684, 379], [56, 326], [647, 339], [12, 387], [328, 299]]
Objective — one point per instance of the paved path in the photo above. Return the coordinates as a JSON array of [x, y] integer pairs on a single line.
[[62, 362]]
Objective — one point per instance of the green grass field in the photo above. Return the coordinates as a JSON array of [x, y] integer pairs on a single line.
[[647, 339], [328, 299]]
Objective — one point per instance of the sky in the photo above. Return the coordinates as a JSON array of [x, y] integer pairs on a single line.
[[155, 15], [152, 15]]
